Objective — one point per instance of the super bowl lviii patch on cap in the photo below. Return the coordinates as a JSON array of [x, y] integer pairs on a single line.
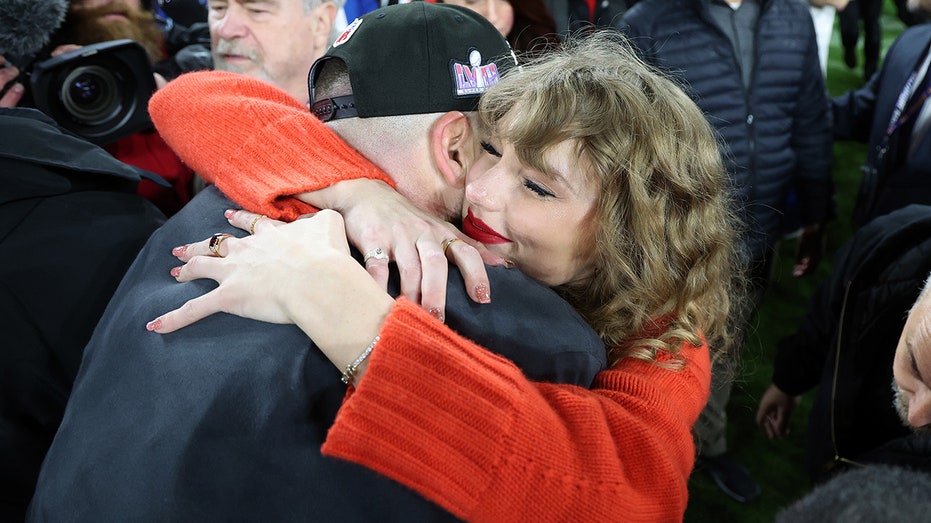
[[414, 58], [473, 78]]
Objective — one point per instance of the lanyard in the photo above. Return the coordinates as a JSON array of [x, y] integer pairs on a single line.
[[902, 114]]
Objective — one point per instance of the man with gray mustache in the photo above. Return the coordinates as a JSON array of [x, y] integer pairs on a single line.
[[273, 41]]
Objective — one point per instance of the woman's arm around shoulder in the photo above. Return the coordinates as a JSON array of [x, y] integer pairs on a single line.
[[257, 143]]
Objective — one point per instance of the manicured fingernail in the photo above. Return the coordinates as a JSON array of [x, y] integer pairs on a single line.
[[482, 293], [179, 250], [437, 313], [509, 264], [175, 272], [229, 214], [154, 325]]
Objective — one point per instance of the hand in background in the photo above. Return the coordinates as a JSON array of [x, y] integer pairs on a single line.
[[775, 411], [810, 250], [13, 93]]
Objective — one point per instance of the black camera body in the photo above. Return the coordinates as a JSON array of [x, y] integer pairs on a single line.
[[99, 92]]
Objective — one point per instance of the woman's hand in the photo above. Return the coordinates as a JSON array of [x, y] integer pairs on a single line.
[[299, 272], [274, 275], [378, 217]]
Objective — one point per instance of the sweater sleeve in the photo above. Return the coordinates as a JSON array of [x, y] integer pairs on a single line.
[[258, 144], [465, 429]]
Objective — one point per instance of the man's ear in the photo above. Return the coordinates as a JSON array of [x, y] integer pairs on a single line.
[[324, 16], [453, 146]]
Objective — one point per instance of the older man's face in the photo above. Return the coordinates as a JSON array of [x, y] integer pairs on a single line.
[[273, 40], [911, 367]]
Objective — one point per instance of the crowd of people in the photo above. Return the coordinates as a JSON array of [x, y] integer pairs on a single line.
[[487, 260]]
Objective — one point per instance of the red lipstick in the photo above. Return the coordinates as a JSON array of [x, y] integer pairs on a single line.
[[479, 230]]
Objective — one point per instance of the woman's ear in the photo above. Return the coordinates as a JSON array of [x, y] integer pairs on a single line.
[[454, 147]]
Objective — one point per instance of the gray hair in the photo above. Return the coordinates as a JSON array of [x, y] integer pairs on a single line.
[[871, 493]]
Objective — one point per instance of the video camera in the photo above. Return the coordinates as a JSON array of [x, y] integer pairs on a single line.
[[99, 92]]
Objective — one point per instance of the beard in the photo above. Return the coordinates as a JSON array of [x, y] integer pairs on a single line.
[[88, 26], [901, 407]]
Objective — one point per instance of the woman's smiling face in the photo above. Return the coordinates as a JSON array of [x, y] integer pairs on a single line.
[[543, 222]]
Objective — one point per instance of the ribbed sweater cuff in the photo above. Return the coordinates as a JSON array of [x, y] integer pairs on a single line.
[[423, 434]]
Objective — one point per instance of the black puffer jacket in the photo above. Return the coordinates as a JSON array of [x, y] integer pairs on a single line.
[[779, 133], [847, 341]]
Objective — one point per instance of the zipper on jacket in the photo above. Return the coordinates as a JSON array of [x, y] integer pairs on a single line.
[[837, 350]]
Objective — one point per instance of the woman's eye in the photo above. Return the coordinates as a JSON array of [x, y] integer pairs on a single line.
[[538, 189], [490, 149]]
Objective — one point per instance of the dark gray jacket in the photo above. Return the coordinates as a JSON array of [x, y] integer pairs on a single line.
[[223, 420]]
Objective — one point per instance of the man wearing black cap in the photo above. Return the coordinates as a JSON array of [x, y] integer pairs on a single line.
[[224, 420]]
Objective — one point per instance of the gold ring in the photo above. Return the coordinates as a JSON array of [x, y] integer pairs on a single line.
[[254, 221], [215, 242], [376, 253], [446, 243]]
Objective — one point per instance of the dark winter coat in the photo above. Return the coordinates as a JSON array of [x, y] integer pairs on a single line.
[[778, 134]]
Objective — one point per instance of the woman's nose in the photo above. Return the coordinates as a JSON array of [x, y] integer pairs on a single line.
[[484, 190]]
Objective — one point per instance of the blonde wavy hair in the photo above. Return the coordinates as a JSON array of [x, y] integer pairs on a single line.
[[665, 261]]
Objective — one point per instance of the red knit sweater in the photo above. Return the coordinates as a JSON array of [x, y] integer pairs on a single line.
[[458, 424]]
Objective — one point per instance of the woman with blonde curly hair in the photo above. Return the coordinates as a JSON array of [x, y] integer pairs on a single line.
[[641, 244]]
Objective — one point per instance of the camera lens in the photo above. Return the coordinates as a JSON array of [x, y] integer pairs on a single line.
[[91, 94]]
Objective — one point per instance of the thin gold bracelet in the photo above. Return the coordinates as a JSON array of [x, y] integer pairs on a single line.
[[351, 369]]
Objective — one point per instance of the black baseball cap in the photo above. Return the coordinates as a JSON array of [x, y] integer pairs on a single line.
[[414, 58]]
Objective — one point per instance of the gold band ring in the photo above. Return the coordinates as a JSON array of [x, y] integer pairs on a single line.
[[255, 221], [446, 243], [215, 242], [376, 253]]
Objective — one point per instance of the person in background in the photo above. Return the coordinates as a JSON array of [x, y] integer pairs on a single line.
[[908, 15], [59, 193], [183, 12], [273, 41], [845, 344], [822, 14], [574, 16], [527, 24], [869, 13], [93, 21], [911, 365], [891, 114], [752, 66]]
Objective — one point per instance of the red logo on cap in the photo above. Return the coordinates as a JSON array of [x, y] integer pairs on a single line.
[[348, 32]]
